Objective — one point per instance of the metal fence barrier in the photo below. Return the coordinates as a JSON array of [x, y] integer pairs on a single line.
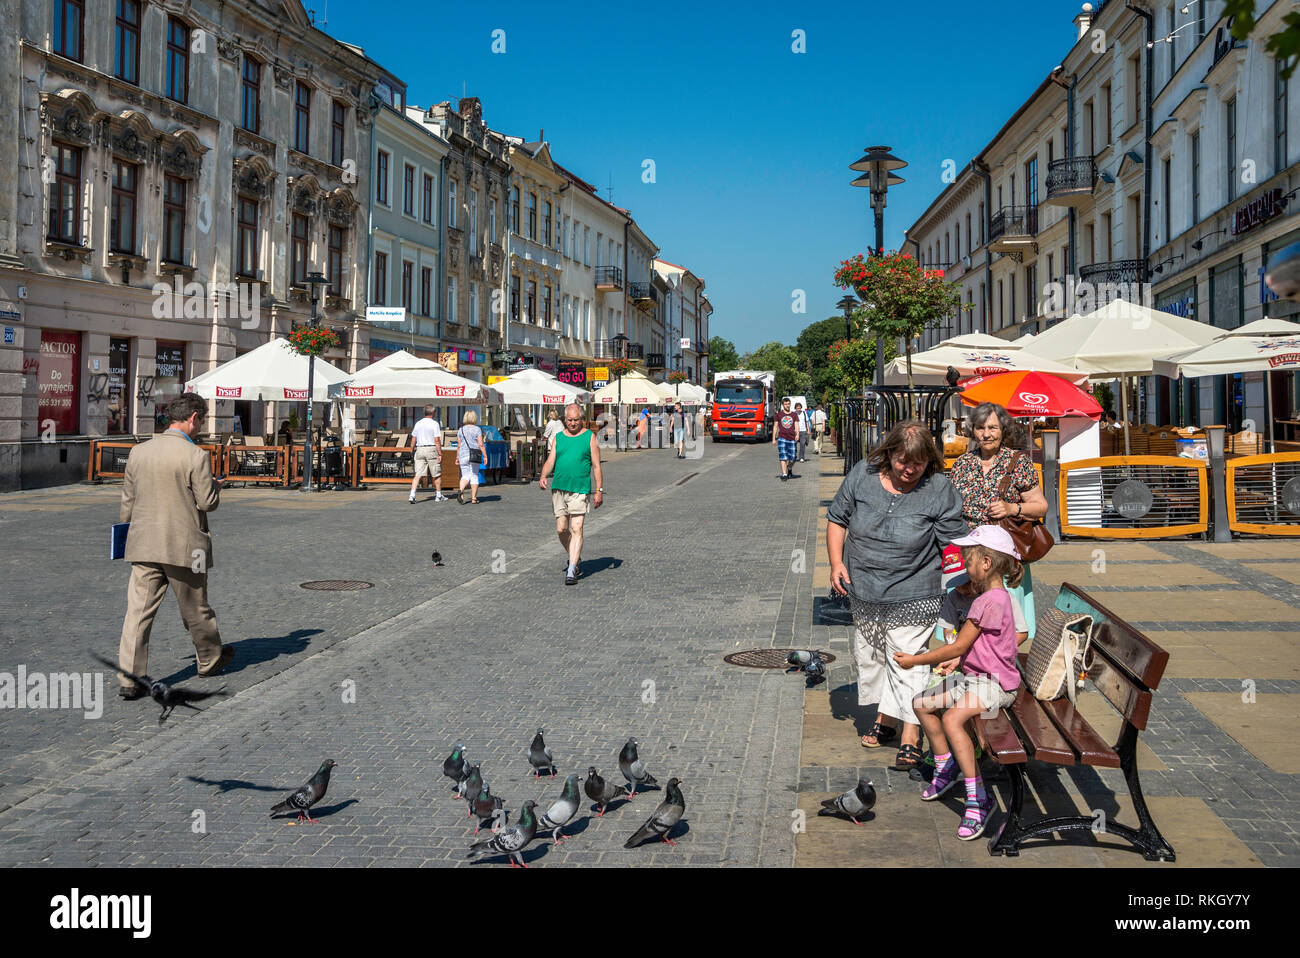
[[865, 420], [1134, 497], [1263, 494]]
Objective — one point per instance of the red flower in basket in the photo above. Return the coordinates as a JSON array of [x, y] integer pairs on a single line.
[[313, 340]]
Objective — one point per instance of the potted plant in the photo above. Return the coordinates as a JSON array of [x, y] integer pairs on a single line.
[[313, 340], [677, 377], [621, 367]]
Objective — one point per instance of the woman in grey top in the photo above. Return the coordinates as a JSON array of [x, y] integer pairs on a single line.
[[887, 527]]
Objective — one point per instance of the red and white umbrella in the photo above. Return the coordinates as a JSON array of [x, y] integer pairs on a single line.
[[1030, 394]]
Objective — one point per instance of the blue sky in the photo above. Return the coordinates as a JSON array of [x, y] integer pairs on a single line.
[[751, 141]]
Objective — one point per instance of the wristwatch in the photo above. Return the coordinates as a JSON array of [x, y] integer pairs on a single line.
[[600, 488]]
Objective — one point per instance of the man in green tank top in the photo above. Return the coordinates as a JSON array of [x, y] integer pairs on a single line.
[[573, 462]]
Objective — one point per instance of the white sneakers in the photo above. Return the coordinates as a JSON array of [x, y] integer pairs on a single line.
[[440, 498]]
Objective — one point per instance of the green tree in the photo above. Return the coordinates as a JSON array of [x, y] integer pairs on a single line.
[[1283, 45], [722, 354], [783, 360], [813, 346]]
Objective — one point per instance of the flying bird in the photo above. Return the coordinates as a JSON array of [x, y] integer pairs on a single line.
[[562, 811], [539, 756], [485, 806], [600, 791], [856, 802], [307, 796], [512, 840], [633, 769], [455, 767], [168, 696], [664, 819]]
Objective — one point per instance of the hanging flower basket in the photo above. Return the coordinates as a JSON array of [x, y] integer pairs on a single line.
[[677, 377], [313, 340], [621, 367]]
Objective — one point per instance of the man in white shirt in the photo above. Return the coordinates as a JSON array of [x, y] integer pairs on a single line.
[[426, 437], [819, 427], [802, 417]]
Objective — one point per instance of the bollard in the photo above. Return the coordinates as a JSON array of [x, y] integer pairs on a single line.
[[1052, 481], [1218, 483]]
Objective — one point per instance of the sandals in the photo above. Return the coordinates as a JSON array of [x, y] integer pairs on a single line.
[[944, 779], [881, 733], [908, 758], [976, 819]]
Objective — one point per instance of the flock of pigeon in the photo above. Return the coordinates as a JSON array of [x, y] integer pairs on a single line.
[[513, 839]]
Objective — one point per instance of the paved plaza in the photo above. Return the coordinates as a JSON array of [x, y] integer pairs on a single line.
[[688, 561]]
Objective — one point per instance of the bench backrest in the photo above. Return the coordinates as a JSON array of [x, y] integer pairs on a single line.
[[1127, 666]]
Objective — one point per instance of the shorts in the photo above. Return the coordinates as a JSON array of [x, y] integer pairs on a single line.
[[785, 450], [679, 434], [987, 689], [427, 462], [569, 503], [469, 471]]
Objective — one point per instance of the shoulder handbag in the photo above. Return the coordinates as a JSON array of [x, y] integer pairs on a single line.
[[1031, 537], [1058, 654], [475, 453]]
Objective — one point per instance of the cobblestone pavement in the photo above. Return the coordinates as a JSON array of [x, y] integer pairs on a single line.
[[688, 560], [1219, 761]]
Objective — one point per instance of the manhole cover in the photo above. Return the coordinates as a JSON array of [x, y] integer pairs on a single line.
[[768, 658], [338, 585]]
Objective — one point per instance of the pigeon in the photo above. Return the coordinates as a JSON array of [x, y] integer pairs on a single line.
[[664, 819], [168, 696], [307, 796], [539, 756], [633, 768], [455, 767], [512, 840], [951, 376], [485, 806], [559, 814], [437, 558], [798, 658], [857, 801], [600, 791], [815, 670], [472, 783]]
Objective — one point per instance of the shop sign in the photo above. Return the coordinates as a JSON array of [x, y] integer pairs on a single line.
[[598, 372], [496, 379], [599, 383], [450, 361], [59, 381], [472, 356], [1259, 210], [295, 395], [385, 314], [9, 335], [571, 371]]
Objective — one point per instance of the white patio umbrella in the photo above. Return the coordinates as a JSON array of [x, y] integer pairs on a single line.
[[972, 355], [1119, 339], [533, 387], [274, 372], [403, 360], [636, 391], [690, 393], [411, 385], [1264, 345]]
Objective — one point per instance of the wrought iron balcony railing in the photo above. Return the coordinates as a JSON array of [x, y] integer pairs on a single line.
[[1070, 175], [1115, 272], [609, 277], [1013, 221]]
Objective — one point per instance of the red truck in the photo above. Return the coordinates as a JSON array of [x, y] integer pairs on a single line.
[[742, 405]]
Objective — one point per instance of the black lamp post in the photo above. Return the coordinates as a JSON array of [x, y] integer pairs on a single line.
[[620, 352], [876, 168], [677, 364], [848, 304], [315, 281]]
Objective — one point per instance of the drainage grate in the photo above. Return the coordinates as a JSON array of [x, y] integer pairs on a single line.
[[685, 479], [768, 658], [337, 585]]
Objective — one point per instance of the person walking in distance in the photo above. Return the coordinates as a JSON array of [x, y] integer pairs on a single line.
[[803, 431], [818, 427], [553, 425], [166, 496], [426, 437], [786, 438], [678, 420], [573, 462], [471, 452]]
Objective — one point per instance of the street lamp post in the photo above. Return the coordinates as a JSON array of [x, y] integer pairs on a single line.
[[677, 363], [620, 350], [876, 167], [315, 281], [848, 304]]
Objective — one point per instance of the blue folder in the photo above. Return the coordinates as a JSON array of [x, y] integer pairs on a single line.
[[117, 540]]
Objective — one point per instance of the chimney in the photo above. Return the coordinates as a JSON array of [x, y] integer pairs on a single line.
[[541, 135], [1083, 21]]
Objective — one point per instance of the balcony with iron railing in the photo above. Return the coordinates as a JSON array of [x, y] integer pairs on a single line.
[[654, 360], [609, 277], [609, 349], [644, 295], [1116, 272], [1013, 228], [1070, 181]]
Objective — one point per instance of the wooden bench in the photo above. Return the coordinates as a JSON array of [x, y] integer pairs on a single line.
[[1126, 668]]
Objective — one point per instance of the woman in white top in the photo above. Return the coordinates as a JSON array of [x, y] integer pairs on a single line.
[[470, 439], [553, 425]]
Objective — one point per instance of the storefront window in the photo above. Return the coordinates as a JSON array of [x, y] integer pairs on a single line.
[[169, 381], [1225, 295], [59, 383], [119, 390]]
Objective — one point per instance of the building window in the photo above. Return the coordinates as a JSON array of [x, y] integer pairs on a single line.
[[250, 116], [427, 199], [408, 189], [338, 131], [334, 265], [426, 289], [174, 190], [1108, 111], [126, 52], [178, 61], [473, 223], [947, 249], [302, 118], [65, 195], [586, 246], [122, 219], [1089, 128], [970, 247], [247, 236], [1031, 186], [301, 236], [1230, 145], [408, 279], [381, 279], [1280, 106], [1031, 290], [530, 305], [532, 216], [492, 220], [1196, 177], [451, 299], [473, 304], [69, 18], [546, 306], [514, 298], [1134, 110], [451, 206], [381, 178], [512, 213], [546, 225]]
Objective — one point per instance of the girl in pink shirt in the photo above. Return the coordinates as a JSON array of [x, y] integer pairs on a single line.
[[986, 676]]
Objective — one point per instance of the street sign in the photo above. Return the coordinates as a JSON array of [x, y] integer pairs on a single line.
[[385, 314]]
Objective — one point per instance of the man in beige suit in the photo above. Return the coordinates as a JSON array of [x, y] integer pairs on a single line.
[[169, 490]]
